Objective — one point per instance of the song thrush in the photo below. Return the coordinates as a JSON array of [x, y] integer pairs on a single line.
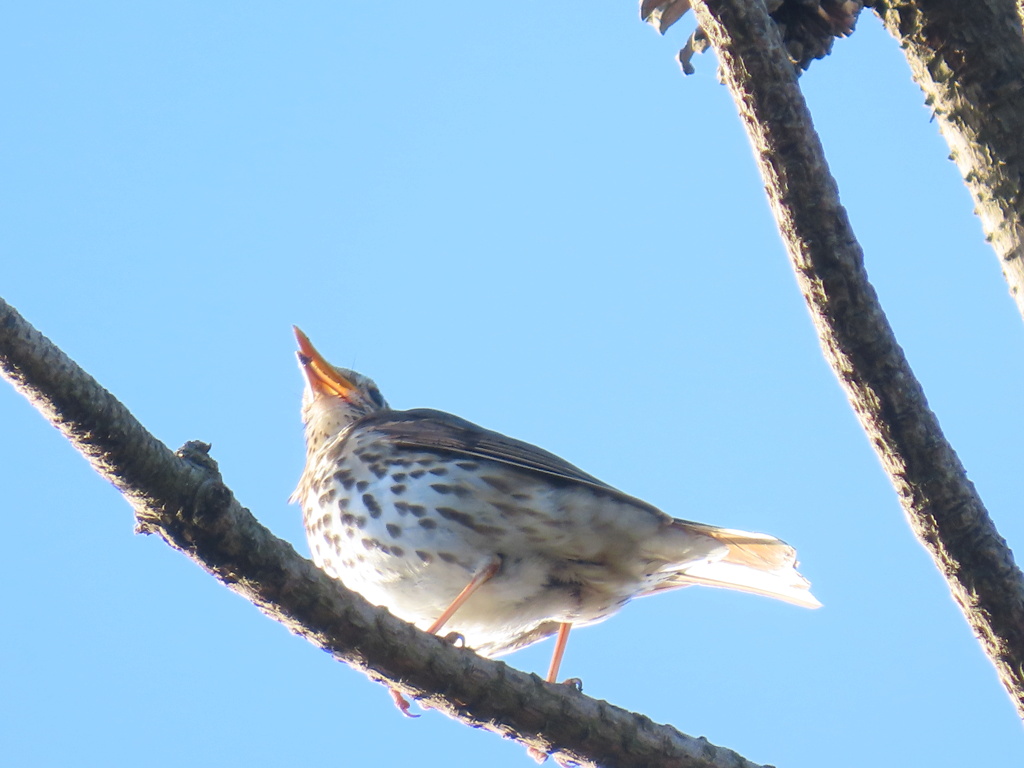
[[449, 525]]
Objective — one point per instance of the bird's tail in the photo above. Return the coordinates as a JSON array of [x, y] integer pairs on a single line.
[[748, 562]]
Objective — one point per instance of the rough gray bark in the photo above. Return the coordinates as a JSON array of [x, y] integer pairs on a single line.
[[968, 58], [181, 498], [941, 504]]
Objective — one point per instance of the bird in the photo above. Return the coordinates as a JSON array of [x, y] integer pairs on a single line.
[[451, 526]]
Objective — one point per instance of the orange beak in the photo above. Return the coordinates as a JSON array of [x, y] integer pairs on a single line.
[[321, 375]]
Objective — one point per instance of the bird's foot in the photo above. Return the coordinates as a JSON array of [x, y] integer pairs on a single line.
[[456, 639], [401, 702], [573, 682], [538, 755]]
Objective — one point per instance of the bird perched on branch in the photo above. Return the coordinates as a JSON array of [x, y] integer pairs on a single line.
[[453, 527]]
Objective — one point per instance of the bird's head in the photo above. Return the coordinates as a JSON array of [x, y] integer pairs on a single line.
[[333, 397]]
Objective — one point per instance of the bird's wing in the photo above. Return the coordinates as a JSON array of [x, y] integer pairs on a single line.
[[427, 429]]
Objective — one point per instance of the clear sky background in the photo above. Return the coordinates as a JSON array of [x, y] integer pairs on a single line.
[[521, 213]]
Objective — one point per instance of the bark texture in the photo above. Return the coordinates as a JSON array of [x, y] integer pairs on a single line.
[[181, 497], [941, 504], [968, 58]]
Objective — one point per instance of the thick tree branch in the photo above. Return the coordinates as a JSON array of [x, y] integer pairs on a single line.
[[941, 503], [181, 498], [968, 58]]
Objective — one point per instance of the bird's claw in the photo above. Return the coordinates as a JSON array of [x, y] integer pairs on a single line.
[[573, 682], [539, 755], [401, 702], [456, 639]]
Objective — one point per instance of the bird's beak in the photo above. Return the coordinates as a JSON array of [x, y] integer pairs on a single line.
[[323, 377]]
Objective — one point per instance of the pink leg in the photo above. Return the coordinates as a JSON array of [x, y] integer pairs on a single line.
[[480, 578], [556, 659]]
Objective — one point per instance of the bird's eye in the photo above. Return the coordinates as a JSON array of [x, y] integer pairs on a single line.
[[375, 395]]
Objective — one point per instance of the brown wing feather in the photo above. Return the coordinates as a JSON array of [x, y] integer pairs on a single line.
[[427, 429], [423, 428]]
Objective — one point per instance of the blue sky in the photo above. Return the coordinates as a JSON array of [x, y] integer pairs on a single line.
[[526, 216]]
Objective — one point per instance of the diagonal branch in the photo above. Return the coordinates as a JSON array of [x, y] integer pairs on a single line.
[[181, 498], [941, 504]]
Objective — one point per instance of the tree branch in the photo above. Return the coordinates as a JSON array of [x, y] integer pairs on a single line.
[[968, 58], [941, 504], [181, 498]]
